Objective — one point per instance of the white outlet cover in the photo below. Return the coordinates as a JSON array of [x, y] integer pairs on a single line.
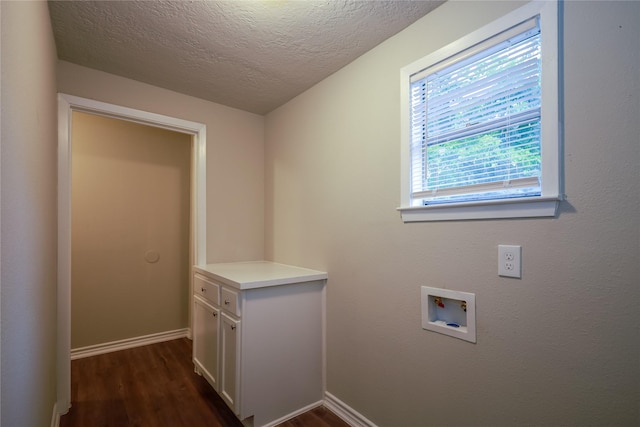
[[510, 261]]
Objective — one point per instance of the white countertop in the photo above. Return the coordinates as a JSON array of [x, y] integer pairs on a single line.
[[258, 274]]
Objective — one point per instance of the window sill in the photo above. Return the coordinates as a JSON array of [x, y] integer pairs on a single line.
[[513, 208]]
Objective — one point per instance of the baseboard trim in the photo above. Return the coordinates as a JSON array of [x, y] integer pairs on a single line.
[[94, 350], [55, 416], [345, 412], [294, 414]]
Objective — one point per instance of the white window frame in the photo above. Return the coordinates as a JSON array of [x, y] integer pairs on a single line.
[[545, 205]]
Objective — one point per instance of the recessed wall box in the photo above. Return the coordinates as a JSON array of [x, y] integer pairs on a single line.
[[449, 312]]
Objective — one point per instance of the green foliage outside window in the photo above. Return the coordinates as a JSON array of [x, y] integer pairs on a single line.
[[457, 162]]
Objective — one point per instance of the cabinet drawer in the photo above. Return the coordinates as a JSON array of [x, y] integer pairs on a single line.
[[229, 301], [206, 288]]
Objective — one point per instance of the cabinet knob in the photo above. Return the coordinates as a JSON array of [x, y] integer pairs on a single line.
[[233, 327], [203, 289], [226, 302], [215, 314]]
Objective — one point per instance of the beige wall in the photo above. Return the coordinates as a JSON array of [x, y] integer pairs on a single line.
[[558, 347], [235, 155], [28, 216], [130, 195]]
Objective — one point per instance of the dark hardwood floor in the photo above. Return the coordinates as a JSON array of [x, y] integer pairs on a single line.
[[154, 386]]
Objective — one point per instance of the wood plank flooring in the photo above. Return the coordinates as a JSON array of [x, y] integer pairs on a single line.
[[155, 386]]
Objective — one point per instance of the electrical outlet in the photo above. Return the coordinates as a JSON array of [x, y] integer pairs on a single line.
[[509, 261]]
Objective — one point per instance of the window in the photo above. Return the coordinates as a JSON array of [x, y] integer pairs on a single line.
[[482, 118]]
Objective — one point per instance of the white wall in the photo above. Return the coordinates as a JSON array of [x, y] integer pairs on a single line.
[[28, 215], [235, 153], [558, 347]]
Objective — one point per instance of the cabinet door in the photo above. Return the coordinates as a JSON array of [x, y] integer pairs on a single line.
[[230, 331], [206, 326]]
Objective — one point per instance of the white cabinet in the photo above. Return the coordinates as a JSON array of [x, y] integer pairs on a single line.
[[206, 328], [268, 337], [216, 327], [230, 361]]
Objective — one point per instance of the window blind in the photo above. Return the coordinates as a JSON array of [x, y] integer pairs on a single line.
[[475, 121]]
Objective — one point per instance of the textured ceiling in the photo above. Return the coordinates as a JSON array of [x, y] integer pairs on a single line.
[[251, 55]]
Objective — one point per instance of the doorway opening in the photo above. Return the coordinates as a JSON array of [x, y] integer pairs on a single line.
[[67, 105]]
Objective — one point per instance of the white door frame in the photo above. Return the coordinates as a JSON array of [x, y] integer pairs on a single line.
[[67, 104]]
